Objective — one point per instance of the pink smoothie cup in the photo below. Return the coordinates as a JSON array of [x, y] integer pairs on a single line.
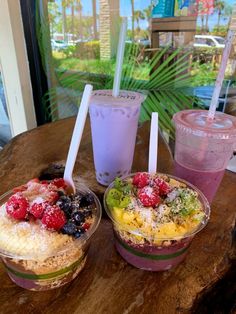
[[203, 149], [114, 123], [56, 270], [164, 253]]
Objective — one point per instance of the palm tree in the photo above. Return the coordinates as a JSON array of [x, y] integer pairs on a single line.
[[132, 8], [219, 6], [138, 15], [64, 4], [95, 32], [72, 18], [148, 15], [78, 9], [53, 13]]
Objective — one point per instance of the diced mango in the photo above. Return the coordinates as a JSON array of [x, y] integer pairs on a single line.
[[117, 213], [128, 217]]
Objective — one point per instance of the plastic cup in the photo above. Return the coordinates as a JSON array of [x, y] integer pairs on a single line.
[[158, 254], [114, 123], [39, 272], [203, 150]]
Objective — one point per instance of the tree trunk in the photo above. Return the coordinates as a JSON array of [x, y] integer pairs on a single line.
[[206, 24], [95, 32], [72, 21], [80, 25], [202, 21], [218, 20], [132, 8], [64, 23]]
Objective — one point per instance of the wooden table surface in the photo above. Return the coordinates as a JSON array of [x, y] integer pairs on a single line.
[[108, 284]]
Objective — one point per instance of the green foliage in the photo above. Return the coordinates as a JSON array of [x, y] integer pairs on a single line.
[[203, 74], [164, 78], [220, 30]]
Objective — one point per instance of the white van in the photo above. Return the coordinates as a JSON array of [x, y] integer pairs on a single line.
[[209, 41]]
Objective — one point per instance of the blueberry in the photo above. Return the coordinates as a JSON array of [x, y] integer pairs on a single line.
[[78, 217], [76, 197], [79, 233], [87, 212], [69, 228], [61, 193], [87, 200], [64, 202]]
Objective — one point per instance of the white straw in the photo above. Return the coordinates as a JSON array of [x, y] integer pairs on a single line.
[[119, 58], [221, 73], [153, 144], [77, 134]]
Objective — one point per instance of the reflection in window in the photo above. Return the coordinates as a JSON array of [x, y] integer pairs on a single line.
[[169, 51]]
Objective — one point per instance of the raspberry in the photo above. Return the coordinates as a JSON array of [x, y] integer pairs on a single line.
[[86, 226], [149, 196], [37, 208], [53, 218], [17, 206], [20, 188], [35, 180], [52, 197], [141, 179], [162, 186], [59, 183]]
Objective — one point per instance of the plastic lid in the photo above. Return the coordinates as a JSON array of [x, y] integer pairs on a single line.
[[125, 98], [195, 121]]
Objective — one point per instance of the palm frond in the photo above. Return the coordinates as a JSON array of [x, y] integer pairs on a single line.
[[164, 78]]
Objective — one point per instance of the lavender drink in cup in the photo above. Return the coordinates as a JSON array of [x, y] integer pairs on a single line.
[[203, 148], [114, 122]]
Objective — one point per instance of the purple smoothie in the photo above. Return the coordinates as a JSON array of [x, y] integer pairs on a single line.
[[203, 148], [114, 123], [153, 258], [207, 181]]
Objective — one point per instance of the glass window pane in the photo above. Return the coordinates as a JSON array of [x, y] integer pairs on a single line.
[[173, 52]]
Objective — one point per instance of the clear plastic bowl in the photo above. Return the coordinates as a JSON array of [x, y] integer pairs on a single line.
[[161, 254], [55, 270]]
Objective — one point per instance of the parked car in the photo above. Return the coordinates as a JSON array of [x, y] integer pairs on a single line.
[[209, 41], [144, 42], [58, 44]]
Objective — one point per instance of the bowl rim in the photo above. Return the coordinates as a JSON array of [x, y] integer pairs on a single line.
[[202, 199], [80, 187]]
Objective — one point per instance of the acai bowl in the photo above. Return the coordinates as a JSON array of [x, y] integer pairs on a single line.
[[155, 217]]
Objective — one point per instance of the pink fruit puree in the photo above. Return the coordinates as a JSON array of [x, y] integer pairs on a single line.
[[207, 181], [152, 257]]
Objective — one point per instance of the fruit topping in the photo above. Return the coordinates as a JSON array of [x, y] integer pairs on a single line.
[[141, 179], [17, 206], [79, 233], [87, 200], [47, 201], [149, 196], [53, 218], [162, 186], [78, 217], [86, 226], [59, 183], [69, 228], [38, 207]]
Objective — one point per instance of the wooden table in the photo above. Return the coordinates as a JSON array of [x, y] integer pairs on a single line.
[[108, 284]]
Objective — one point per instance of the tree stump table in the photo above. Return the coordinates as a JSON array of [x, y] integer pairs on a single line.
[[203, 283]]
